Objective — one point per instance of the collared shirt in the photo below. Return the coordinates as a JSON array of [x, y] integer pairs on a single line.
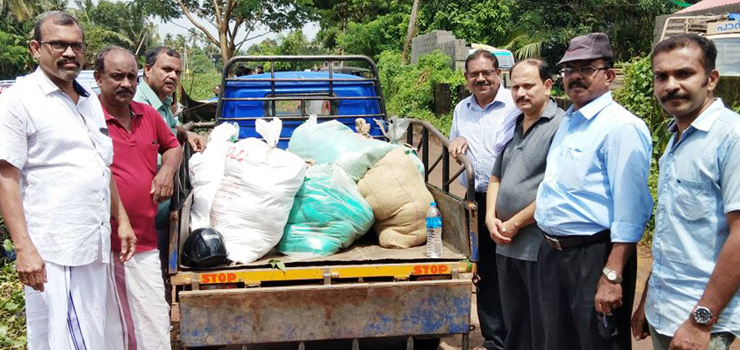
[[63, 154], [521, 167], [697, 187], [134, 167], [487, 130], [145, 94], [597, 173]]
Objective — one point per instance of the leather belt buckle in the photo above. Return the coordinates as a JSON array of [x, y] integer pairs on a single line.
[[553, 242]]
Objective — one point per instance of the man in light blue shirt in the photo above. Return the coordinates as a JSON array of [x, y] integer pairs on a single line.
[[592, 205], [482, 124], [692, 293]]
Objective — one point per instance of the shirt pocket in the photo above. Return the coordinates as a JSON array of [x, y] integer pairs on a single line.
[[572, 169], [693, 201], [103, 145]]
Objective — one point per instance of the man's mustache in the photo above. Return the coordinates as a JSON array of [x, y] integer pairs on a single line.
[[122, 90], [63, 61], [482, 83], [674, 95], [577, 83], [522, 99]]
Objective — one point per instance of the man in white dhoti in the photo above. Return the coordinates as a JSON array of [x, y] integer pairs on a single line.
[[56, 192]]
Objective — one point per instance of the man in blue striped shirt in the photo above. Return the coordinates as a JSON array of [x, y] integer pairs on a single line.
[[482, 124], [592, 205]]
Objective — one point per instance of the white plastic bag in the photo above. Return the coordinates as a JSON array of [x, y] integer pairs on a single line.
[[256, 193], [206, 170], [397, 127]]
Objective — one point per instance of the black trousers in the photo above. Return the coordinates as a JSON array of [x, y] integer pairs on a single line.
[[570, 278], [520, 300], [490, 312]]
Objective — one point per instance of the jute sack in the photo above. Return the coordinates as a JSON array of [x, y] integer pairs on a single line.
[[399, 198]]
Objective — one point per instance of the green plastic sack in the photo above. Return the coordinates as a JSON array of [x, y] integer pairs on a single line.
[[328, 214], [334, 142]]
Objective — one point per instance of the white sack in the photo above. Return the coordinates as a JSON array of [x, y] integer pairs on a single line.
[[206, 170], [256, 193]]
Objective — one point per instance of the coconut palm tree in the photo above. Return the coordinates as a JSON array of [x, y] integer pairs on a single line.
[[20, 9]]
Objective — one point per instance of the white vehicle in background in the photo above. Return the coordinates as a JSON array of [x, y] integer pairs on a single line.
[[723, 30], [505, 60], [5, 84]]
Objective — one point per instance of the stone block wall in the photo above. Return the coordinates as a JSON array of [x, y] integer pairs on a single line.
[[440, 40]]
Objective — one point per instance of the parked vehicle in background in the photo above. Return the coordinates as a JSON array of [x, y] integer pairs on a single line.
[[505, 59], [724, 31], [364, 291], [5, 84]]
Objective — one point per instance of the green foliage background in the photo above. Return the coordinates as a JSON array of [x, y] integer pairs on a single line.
[[637, 95], [408, 88], [12, 304]]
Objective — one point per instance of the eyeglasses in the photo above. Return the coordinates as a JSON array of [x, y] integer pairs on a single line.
[[585, 71], [486, 73], [61, 46]]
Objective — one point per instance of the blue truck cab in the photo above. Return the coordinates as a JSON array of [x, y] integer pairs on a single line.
[[292, 96]]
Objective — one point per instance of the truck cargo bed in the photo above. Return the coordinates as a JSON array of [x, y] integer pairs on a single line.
[[365, 250]]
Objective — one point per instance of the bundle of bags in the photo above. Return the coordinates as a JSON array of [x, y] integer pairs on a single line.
[[390, 179], [260, 197]]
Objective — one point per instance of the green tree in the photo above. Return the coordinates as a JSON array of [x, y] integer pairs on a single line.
[[231, 18], [16, 30], [115, 23], [13, 55], [484, 22], [386, 32], [291, 44], [550, 24]]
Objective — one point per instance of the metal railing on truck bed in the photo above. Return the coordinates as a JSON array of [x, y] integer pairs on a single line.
[[374, 292]]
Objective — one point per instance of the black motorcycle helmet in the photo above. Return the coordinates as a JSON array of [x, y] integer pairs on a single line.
[[203, 248]]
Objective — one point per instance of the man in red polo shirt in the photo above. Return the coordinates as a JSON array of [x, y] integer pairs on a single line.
[[139, 134]]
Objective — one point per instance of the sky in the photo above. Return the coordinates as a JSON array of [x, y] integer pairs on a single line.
[[181, 26]]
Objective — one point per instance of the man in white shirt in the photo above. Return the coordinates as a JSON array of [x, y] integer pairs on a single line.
[[482, 125], [56, 192]]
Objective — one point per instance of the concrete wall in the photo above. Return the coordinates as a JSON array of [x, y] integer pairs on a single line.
[[660, 20], [440, 40]]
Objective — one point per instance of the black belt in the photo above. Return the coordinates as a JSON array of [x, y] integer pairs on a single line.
[[562, 242]]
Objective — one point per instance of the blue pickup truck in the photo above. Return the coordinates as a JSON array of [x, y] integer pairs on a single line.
[[362, 292], [292, 96]]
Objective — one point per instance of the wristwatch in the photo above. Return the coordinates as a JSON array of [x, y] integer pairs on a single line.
[[703, 316], [611, 275]]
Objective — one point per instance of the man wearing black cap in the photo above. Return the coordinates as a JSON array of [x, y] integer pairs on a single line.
[[592, 205]]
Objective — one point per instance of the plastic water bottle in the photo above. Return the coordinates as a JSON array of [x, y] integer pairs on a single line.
[[434, 232]]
